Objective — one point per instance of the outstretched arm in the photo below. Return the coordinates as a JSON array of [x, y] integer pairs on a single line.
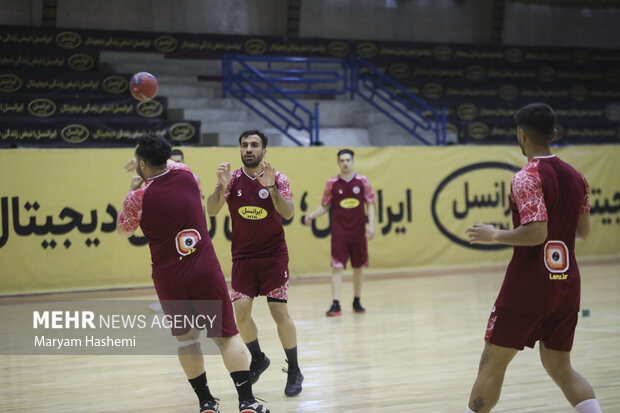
[[217, 199], [530, 234], [129, 217], [320, 211]]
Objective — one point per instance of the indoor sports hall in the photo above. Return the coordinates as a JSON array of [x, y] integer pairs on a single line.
[[423, 92]]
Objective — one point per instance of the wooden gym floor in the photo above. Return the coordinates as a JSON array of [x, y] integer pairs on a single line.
[[416, 349]]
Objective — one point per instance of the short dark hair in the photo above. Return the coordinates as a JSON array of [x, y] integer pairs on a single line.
[[260, 134], [153, 149], [344, 152], [177, 152], [538, 120]]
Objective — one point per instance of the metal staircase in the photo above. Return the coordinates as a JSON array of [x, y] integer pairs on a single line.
[[267, 85]]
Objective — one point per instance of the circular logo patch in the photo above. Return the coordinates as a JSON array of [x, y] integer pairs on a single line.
[[186, 241]]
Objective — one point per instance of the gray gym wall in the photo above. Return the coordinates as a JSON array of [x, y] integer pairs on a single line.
[[453, 21]]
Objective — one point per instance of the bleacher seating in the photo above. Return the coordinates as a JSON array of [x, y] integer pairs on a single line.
[[481, 86]]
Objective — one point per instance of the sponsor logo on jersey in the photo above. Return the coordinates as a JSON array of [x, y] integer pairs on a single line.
[[263, 193], [556, 258], [186, 241], [349, 203], [253, 213]]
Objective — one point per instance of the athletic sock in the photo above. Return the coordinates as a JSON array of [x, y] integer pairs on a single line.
[[243, 385], [469, 410], [356, 301], [201, 388], [588, 406], [291, 357], [255, 350]]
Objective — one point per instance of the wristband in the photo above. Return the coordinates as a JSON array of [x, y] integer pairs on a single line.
[[270, 186]]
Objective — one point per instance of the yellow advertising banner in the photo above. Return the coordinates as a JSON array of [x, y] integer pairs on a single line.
[[59, 209]]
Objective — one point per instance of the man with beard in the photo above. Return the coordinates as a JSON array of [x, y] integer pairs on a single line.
[[258, 198], [164, 200]]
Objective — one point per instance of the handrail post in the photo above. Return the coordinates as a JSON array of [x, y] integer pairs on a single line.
[[444, 124], [353, 67], [316, 124]]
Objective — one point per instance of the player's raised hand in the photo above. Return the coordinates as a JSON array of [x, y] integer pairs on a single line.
[[224, 174], [479, 233], [136, 182], [130, 166], [269, 174]]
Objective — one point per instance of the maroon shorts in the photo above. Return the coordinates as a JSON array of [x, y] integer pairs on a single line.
[[268, 276], [342, 251], [196, 296], [516, 330]]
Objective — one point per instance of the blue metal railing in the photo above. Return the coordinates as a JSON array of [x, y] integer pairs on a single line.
[[267, 85], [270, 102], [405, 109]]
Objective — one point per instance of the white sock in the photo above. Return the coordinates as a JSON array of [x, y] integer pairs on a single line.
[[469, 410], [588, 406]]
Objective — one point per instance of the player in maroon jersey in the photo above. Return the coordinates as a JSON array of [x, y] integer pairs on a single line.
[[346, 195], [177, 156], [164, 200], [258, 198], [539, 299]]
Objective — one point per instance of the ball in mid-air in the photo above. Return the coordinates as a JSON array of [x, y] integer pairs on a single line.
[[143, 86]]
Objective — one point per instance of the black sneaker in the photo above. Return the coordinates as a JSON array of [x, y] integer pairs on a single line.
[[334, 310], [293, 381], [257, 367], [210, 407], [251, 407], [357, 308]]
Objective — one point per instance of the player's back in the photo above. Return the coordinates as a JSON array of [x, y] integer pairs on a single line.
[[564, 189], [546, 276], [173, 220]]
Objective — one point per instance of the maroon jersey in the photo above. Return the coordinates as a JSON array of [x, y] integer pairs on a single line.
[[257, 230], [168, 208], [545, 277], [347, 199]]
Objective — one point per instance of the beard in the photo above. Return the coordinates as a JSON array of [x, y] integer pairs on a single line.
[[253, 163], [139, 171]]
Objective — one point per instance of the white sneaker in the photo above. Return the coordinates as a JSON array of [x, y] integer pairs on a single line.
[[156, 307]]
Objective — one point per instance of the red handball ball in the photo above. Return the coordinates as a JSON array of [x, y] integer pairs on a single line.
[[143, 86]]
